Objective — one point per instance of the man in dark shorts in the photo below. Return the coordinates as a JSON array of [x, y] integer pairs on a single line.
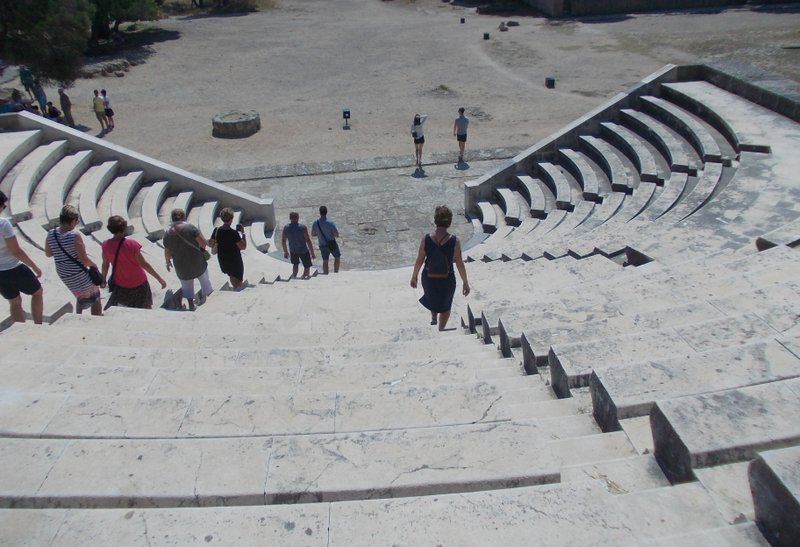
[[18, 273], [460, 132], [299, 244], [326, 233]]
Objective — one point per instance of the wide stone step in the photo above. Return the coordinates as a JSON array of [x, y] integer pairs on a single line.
[[724, 427], [235, 377], [267, 412], [624, 475], [571, 364], [620, 392], [579, 514], [294, 469]]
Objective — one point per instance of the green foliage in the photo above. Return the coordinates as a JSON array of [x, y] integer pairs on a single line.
[[47, 35], [119, 11]]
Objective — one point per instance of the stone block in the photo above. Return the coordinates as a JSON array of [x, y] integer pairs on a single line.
[[724, 427], [775, 483]]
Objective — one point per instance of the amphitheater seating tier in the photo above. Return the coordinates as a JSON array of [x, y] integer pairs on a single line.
[[634, 380]]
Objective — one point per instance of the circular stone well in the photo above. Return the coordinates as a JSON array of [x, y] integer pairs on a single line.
[[235, 125]]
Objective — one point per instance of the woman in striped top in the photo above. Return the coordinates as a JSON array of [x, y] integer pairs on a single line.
[[65, 239]]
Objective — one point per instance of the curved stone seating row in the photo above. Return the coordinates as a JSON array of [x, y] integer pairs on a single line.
[[15, 146], [707, 181], [536, 195], [27, 174], [635, 149], [706, 146], [57, 182], [667, 143], [582, 171], [151, 223], [559, 185], [510, 205], [673, 189], [488, 216], [609, 161], [711, 103]]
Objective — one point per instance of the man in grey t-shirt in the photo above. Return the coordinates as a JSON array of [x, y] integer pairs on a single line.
[[460, 132], [326, 233]]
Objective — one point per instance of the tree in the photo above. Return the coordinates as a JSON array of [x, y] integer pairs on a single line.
[[119, 11], [49, 36]]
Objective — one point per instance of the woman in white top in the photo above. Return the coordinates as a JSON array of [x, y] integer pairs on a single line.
[[417, 133]]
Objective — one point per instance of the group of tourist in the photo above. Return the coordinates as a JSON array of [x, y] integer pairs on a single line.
[[185, 251], [459, 132], [38, 103]]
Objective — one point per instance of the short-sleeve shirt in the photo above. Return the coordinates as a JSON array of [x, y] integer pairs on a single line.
[[7, 260], [295, 234], [128, 273], [325, 231], [97, 104], [227, 239], [186, 254], [461, 125]]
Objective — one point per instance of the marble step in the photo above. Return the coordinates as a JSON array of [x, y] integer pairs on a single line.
[[624, 475], [724, 427], [627, 391], [99, 332], [38, 348], [729, 485], [571, 364], [295, 469], [263, 411], [579, 514], [128, 378]]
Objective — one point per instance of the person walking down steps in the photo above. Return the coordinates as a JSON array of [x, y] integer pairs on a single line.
[[326, 233]]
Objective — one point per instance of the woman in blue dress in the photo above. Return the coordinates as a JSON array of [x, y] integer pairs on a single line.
[[438, 251]]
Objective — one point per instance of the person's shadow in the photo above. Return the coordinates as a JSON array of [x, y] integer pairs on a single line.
[[419, 173], [461, 165]]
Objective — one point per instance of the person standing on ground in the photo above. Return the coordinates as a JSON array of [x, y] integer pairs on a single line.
[[41, 96], [128, 281], [107, 110], [66, 107], [418, 134], [18, 273], [299, 244], [184, 248], [229, 244], [460, 132], [99, 111], [326, 233], [66, 245], [26, 78], [438, 250]]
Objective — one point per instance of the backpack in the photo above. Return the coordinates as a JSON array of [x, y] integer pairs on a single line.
[[438, 264]]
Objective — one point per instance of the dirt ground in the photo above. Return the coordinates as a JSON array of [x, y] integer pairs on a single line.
[[302, 62]]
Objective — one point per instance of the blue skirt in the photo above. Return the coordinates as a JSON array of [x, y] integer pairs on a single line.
[[438, 297]]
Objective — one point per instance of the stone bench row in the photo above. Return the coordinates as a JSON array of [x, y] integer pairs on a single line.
[[40, 177], [577, 513]]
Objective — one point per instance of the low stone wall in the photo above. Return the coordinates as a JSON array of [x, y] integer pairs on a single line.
[[566, 8]]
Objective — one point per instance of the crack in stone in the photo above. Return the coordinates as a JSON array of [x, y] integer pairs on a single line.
[[488, 409]]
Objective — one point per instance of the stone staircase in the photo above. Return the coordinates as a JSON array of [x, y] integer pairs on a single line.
[[625, 371]]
